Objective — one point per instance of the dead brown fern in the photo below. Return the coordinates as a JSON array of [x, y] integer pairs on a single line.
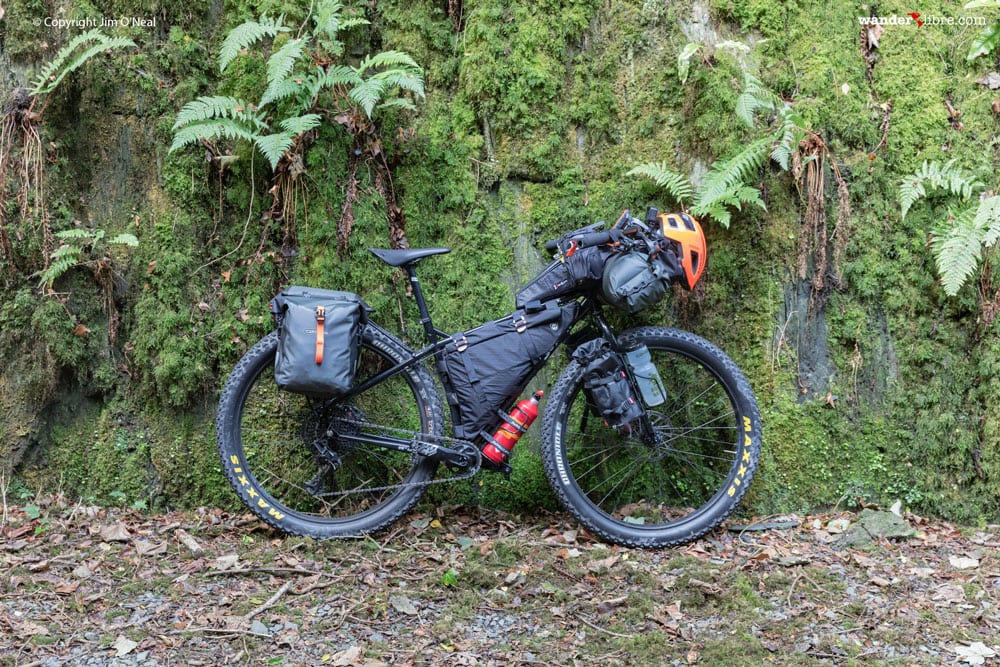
[[21, 169], [809, 168]]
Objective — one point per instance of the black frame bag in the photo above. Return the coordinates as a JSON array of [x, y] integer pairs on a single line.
[[489, 366], [319, 333]]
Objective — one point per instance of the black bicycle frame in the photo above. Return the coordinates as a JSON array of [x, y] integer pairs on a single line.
[[438, 340]]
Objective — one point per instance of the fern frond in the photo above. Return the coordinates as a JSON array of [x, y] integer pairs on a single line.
[[64, 251], [677, 185], [74, 233], [299, 124], [56, 70], [283, 89], [787, 136], [684, 60], [281, 62], [224, 128], [50, 67], [910, 190], [957, 251], [717, 212], [755, 97], [988, 219], [329, 20], [57, 269], [368, 93], [125, 239], [946, 177], [398, 103], [273, 146], [389, 59], [209, 107], [406, 80], [339, 75], [353, 22], [246, 34], [725, 175]]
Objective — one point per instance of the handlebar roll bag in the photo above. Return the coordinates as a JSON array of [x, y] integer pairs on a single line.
[[582, 270]]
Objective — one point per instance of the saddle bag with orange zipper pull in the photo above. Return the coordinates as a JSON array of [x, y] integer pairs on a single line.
[[319, 333]]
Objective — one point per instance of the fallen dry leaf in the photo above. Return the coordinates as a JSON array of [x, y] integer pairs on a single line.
[[116, 532], [226, 562], [974, 653], [963, 562], [123, 645], [403, 605], [184, 538]]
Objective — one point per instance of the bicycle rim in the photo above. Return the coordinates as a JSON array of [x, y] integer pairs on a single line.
[[289, 443], [683, 480]]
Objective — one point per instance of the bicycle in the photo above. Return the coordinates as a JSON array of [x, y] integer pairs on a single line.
[[643, 472]]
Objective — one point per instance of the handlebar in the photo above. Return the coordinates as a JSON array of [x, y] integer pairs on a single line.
[[582, 241], [626, 225]]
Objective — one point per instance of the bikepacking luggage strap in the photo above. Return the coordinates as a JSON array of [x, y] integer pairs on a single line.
[[320, 332]]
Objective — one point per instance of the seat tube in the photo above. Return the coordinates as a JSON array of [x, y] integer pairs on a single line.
[[418, 294]]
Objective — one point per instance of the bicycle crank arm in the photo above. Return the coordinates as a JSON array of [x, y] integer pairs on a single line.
[[430, 450]]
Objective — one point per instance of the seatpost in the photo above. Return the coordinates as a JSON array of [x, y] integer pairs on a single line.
[[418, 294]]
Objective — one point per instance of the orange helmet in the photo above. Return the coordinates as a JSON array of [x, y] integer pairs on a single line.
[[686, 231]]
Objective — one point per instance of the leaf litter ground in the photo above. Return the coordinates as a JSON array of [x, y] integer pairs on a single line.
[[93, 586]]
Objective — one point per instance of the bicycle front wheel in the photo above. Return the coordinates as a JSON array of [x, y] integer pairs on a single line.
[[680, 479], [282, 454]]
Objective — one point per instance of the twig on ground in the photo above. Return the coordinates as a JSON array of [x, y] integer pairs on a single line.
[[270, 602]]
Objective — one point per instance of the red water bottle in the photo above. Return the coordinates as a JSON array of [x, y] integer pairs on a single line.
[[499, 447]]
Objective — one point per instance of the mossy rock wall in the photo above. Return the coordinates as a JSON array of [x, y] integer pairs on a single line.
[[878, 389]]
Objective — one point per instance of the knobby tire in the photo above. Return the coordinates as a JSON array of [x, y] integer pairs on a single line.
[[278, 456], [676, 488]]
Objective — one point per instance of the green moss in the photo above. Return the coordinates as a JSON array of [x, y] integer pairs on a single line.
[[533, 114]]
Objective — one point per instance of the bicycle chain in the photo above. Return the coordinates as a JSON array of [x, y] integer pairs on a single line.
[[415, 436]]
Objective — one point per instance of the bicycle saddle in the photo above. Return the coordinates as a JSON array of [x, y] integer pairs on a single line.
[[408, 256]]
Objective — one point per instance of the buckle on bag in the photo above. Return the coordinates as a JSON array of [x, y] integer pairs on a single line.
[[461, 344], [320, 331], [520, 323]]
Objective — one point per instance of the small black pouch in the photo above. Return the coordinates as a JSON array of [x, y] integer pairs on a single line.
[[606, 384]]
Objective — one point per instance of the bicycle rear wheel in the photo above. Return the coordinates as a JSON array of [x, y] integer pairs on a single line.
[[683, 480], [281, 453]]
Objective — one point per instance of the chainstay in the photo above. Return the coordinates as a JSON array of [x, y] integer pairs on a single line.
[[413, 436]]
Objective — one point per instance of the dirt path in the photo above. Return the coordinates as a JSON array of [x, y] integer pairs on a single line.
[[88, 586]]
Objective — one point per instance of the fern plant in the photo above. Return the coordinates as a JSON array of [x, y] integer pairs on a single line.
[[295, 83], [82, 247], [81, 48], [989, 39], [727, 186], [960, 241], [947, 177], [21, 147]]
